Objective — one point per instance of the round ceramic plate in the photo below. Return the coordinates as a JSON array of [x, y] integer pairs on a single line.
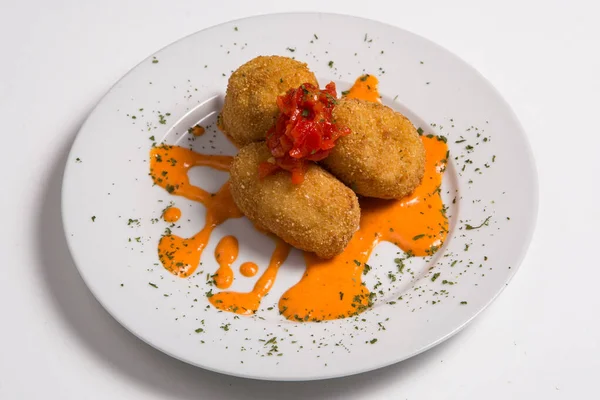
[[112, 211]]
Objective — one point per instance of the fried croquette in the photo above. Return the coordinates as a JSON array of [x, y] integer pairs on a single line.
[[383, 157], [319, 215], [250, 107]]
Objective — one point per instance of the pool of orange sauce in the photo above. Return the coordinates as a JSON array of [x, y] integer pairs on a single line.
[[329, 289], [248, 269], [172, 214], [226, 253], [364, 88]]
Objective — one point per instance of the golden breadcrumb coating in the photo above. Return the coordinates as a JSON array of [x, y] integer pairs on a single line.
[[319, 215], [250, 107], [383, 157]]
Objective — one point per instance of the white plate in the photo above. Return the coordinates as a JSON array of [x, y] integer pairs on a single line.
[[107, 178]]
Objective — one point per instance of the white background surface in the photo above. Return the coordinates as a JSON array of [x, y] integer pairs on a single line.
[[540, 339]]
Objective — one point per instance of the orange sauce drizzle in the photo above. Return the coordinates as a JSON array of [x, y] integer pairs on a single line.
[[226, 253], [172, 214], [248, 269], [248, 303], [169, 166], [365, 88], [332, 289]]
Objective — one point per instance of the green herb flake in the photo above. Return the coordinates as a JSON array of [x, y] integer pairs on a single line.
[[420, 131], [199, 330], [93, 218], [435, 276], [422, 235], [330, 64], [373, 341], [463, 302], [357, 263], [290, 49], [153, 285], [486, 222], [367, 269]]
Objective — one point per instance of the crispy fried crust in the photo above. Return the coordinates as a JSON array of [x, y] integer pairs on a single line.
[[320, 215], [383, 156], [250, 107]]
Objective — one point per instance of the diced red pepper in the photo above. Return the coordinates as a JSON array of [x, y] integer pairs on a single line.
[[304, 130]]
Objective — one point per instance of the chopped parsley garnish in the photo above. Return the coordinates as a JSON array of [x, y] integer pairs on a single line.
[[367, 269], [422, 235], [330, 64], [420, 131], [153, 285], [93, 218], [435, 276], [484, 223]]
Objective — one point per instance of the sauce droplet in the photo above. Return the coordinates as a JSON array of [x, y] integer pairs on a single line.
[[197, 130], [172, 214], [248, 269], [226, 253]]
